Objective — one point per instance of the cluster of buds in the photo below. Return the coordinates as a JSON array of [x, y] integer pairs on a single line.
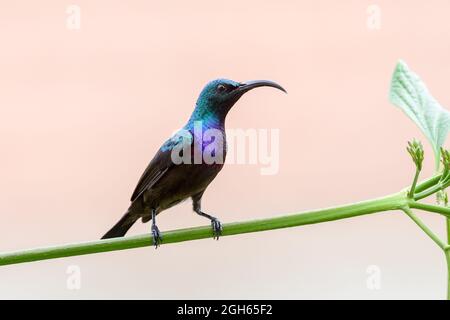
[[415, 149], [445, 160], [442, 196]]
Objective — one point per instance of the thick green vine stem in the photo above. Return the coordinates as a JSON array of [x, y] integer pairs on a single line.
[[406, 200], [392, 202], [447, 258]]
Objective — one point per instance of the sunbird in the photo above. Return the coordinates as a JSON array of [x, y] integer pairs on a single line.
[[171, 176]]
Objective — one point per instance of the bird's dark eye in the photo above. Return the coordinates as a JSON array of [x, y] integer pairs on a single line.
[[221, 88]]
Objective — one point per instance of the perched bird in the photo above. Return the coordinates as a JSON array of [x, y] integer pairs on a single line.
[[167, 181]]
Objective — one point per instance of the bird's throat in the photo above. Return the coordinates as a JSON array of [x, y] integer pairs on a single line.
[[208, 118]]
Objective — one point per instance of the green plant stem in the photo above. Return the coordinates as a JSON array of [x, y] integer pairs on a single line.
[[432, 185], [448, 230], [427, 183], [391, 202], [444, 245], [398, 201], [447, 257], [428, 192], [445, 211], [427, 230], [414, 184]]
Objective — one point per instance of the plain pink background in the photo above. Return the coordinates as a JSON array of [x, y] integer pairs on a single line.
[[82, 112]]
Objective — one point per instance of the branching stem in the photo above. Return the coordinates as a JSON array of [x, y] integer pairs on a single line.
[[399, 201], [445, 211], [425, 229], [392, 202], [414, 184]]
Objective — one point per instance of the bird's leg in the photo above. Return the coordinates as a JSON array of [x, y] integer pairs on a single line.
[[156, 235], [215, 223]]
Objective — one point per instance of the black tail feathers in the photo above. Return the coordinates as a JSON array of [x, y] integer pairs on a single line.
[[121, 227]]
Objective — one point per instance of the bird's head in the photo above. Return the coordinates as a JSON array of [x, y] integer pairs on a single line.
[[219, 96]]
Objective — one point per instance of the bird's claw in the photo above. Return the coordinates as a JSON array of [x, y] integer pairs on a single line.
[[156, 236], [217, 228]]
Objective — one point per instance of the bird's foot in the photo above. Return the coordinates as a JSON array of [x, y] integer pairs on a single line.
[[156, 236], [217, 228]]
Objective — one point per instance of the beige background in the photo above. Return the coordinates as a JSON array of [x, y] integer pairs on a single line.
[[82, 112]]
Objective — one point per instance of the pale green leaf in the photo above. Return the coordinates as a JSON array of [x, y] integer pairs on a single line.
[[409, 93]]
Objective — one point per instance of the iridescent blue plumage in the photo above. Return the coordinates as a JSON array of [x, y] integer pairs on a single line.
[[212, 106], [165, 182]]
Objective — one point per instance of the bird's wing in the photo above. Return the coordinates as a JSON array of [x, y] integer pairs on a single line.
[[158, 167]]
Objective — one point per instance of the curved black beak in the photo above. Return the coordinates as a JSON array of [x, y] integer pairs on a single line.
[[249, 85]]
